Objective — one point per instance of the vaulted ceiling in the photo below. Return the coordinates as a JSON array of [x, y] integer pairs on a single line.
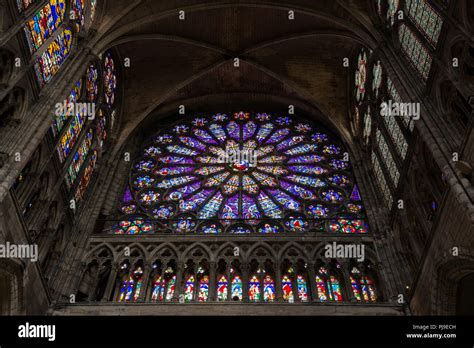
[[191, 61]]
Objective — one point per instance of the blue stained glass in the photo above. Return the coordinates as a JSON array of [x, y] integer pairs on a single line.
[[249, 185], [152, 151], [145, 166], [176, 159], [168, 183], [204, 136], [234, 130], [338, 164], [165, 171], [230, 209], [264, 131], [218, 132], [263, 117], [320, 137], [191, 142], [283, 121], [143, 181], [340, 180], [301, 149], [249, 208], [284, 199], [236, 288], [313, 170], [199, 122], [332, 196], [268, 228], [278, 136], [306, 159], [211, 208], [219, 117], [303, 128], [269, 207], [254, 289], [205, 171], [182, 192], [265, 179], [181, 150], [306, 180], [317, 210], [290, 142], [249, 129], [194, 201], [268, 289], [297, 190]]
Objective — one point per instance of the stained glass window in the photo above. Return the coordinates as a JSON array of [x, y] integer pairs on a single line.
[[77, 13], [244, 169], [417, 54], [69, 138], [363, 287], [361, 76], [92, 86], [254, 289], [392, 10], [395, 97], [387, 158], [268, 289], [86, 177], [236, 289], [24, 4], [328, 286], [203, 293], [110, 80], [302, 288], [61, 119], [222, 289], [50, 61], [381, 182], [189, 289], [131, 286], [79, 159], [377, 75], [287, 287], [45, 23], [101, 127], [93, 4], [426, 19], [163, 286]]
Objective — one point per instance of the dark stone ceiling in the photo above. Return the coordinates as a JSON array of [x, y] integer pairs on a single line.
[[190, 62]]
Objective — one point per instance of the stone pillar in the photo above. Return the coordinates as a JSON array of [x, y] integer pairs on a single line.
[[146, 276], [212, 281], [278, 285], [111, 283], [345, 284], [179, 280], [245, 282], [94, 285], [312, 284]]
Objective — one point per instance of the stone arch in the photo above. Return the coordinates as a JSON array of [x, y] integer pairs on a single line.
[[292, 247], [13, 107], [197, 247], [448, 276], [11, 288], [258, 247]]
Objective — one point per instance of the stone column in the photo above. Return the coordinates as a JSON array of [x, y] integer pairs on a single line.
[[179, 280], [94, 285], [111, 283], [245, 282], [312, 283], [345, 284], [146, 276], [278, 285], [212, 281]]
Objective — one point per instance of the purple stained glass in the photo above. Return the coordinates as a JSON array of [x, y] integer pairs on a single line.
[[194, 168]]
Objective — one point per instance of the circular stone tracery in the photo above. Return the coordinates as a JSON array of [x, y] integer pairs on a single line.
[[243, 173]]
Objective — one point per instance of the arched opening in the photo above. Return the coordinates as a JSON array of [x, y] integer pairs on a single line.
[[465, 298]]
